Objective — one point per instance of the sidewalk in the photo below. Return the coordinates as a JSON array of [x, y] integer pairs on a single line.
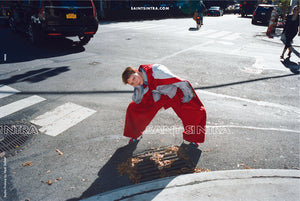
[[255, 184]]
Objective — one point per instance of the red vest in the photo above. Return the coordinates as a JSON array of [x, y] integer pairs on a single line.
[[153, 83]]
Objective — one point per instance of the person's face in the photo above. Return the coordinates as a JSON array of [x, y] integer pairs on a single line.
[[135, 80]]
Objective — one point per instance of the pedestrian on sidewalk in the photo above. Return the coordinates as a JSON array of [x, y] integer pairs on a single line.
[[155, 87], [290, 30]]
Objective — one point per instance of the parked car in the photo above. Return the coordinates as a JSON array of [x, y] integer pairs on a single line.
[[262, 14], [215, 11], [247, 7], [236, 9], [54, 18], [4, 11]]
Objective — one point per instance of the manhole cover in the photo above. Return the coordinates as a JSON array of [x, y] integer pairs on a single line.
[[161, 162], [14, 135]]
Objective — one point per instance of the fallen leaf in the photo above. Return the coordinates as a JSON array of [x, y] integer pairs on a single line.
[[49, 182], [136, 160], [59, 152], [241, 164], [173, 148], [58, 179], [198, 170], [293, 167], [185, 170], [2, 154], [29, 163], [248, 168]]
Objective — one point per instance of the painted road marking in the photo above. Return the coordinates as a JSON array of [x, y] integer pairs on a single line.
[[206, 32], [233, 36], [255, 128], [210, 33], [62, 118], [19, 105], [219, 34], [260, 103], [7, 91], [185, 50]]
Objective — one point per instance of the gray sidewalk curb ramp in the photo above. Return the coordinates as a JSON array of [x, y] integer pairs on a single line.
[[254, 184]]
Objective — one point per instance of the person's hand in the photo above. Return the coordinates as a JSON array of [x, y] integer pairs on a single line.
[[187, 98], [188, 95], [138, 94]]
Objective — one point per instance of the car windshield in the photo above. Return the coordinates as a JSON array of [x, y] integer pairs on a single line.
[[75, 3], [214, 8], [262, 9]]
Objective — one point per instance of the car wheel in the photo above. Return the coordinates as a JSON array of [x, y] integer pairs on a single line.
[[254, 22], [34, 34], [84, 40]]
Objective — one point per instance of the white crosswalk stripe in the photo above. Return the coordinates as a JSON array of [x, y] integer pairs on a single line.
[[175, 30], [233, 36], [150, 26], [62, 118], [7, 91], [52, 123], [219, 34], [19, 105]]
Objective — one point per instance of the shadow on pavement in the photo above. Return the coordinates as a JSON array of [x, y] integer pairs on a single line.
[[35, 75], [18, 48], [109, 177], [243, 82], [295, 52], [294, 67], [193, 29], [46, 73]]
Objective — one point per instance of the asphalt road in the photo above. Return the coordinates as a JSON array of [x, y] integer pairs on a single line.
[[250, 96]]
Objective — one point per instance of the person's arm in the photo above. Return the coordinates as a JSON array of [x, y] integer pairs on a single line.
[[162, 72], [287, 22], [138, 94], [187, 91]]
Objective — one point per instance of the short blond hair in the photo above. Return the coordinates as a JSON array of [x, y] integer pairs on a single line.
[[127, 73]]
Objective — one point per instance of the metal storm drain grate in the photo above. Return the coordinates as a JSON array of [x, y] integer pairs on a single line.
[[161, 162], [14, 135]]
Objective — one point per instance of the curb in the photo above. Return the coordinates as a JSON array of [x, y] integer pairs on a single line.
[[256, 184]]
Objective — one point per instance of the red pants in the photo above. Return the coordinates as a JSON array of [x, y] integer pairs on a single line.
[[192, 114]]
